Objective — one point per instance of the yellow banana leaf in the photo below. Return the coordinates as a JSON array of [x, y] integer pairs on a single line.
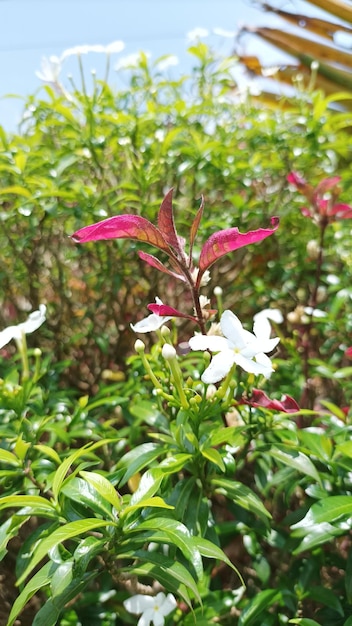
[[322, 28]]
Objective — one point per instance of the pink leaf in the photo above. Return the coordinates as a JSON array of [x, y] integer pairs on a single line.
[[165, 311], [154, 262], [195, 226], [341, 211], [167, 227], [260, 399], [123, 227], [302, 186], [225, 241]]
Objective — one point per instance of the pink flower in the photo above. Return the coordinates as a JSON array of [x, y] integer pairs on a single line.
[[348, 352], [324, 207], [164, 237]]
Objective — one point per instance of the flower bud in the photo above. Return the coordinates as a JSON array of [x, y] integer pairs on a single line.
[[168, 352], [217, 291], [139, 346]]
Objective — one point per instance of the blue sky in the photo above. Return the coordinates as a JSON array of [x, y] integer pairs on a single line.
[[31, 29]]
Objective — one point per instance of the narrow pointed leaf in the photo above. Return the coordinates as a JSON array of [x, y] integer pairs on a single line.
[[296, 45], [72, 529], [195, 226], [336, 7], [123, 227], [154, 262], [322, 28], [326, 510], [39, 580], [166, 224], [103, 487], [225, 241]]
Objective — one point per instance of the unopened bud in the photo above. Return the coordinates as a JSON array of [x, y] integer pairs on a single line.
[[217, 291], [139, 346], [165, 332], [168, 352]]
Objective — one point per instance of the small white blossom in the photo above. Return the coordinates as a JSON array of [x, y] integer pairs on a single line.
[[237, 345], [34, 320], [50, 69], [152, 322], [153, 609]]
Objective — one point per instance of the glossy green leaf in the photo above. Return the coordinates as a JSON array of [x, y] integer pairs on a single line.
[[82, 492], [262, 602], [135, 460], [37, 582], [37, 503], [304, 621], [178, 535], [326, 510], [214, 456], [241, 495], [62, 470], [10, 529], [296, 460], [49, 614], [211, 551], [104, 487], [155, 501], [316, 535], [148, 485], [59, 535], [61, 578], [9, 457]]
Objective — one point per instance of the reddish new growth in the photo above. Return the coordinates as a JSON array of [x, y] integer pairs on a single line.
[[164, 237], [324, 207]]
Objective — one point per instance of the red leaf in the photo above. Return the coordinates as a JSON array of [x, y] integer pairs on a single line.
[[154, 262], [123, 227], [260, 399], [225, 241], [195, 226], [167, 227], [165, 310]]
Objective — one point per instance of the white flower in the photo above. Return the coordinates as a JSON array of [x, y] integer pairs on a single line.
[[152, 608], [237, 345], [114, 46], [261, 326], [50, 69], [152, 322], [34, 320]]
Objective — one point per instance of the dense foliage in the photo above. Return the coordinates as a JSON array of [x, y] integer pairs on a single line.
[[124, 471]]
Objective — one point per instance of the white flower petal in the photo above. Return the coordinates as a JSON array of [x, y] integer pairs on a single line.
[[169, 604], [219, 367], [250, 366], [34, 320], [138, 603], [215, 343], [150, 323], [147, 617], [233, 329], [158, 618], [7, 334]]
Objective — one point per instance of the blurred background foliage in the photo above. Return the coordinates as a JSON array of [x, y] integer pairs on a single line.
[[83, 155]]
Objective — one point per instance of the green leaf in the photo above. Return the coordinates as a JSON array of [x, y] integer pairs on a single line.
[[175, 463], [104, 487], [37, 503], [148, 485], [316, 535], [8, 457], [214, 456], [326, 510], [62, 470], [135, 460], [62, 578], [10, 529], [179, 536], [211, 551], [72, 529], [241, 495], [295, 459], [263, 601], [165, 569], [49, 614], [304, 621], [39, 580], [48, 452], [82, 492], [152, 502]]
